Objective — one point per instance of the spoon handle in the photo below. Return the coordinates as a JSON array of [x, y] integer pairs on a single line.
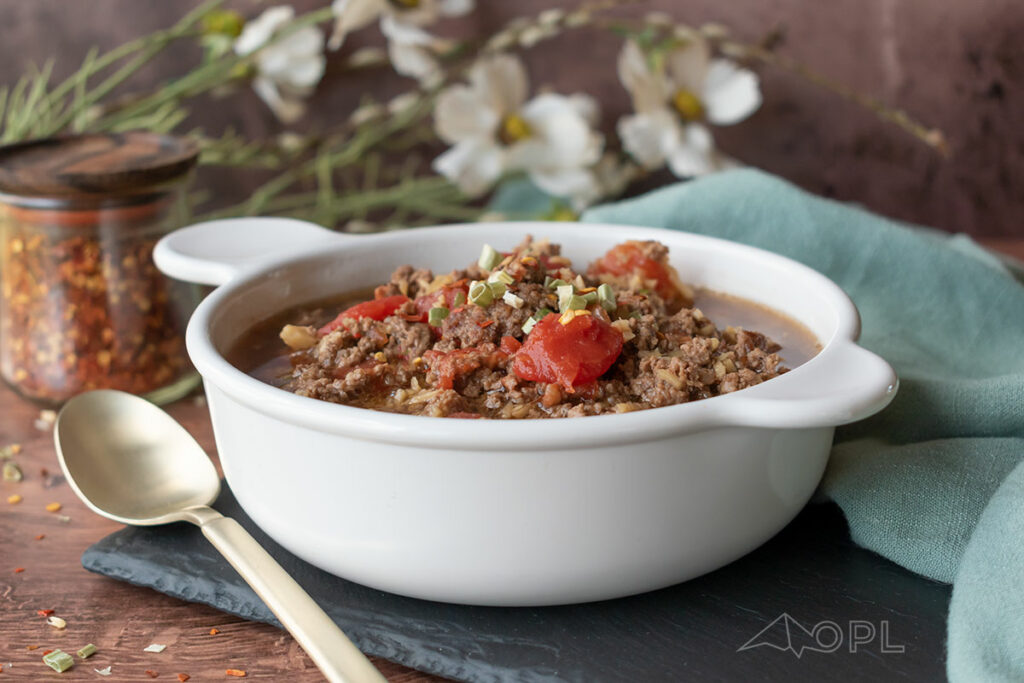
[[338, 659]]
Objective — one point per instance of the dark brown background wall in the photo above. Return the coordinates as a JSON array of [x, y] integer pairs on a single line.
[[954, 64]]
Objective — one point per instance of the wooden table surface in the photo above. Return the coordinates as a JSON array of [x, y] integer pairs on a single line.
[[40, 570]]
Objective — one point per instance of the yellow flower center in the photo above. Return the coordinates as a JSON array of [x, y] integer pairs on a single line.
[[513, 129], [223, 22], [405, 4], [688, 105]]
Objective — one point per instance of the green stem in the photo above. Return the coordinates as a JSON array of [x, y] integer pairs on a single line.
[[400, 195], [205, 77], [150, 45]]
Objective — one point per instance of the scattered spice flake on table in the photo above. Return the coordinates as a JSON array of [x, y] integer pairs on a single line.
[[238, 673], [183, 677], [31, 647], [40, 537], [214, 631], [44, 612], [14, 499], [18, 570], [152, 674], [53, 507]]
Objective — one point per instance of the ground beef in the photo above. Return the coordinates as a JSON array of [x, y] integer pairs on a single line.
[[464, 366]]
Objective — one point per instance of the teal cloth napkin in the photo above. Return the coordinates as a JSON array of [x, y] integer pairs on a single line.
[[935, 482]]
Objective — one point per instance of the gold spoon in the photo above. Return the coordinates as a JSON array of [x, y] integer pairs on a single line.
[[131, 462]]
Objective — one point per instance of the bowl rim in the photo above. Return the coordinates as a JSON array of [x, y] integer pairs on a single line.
[[740, 408]]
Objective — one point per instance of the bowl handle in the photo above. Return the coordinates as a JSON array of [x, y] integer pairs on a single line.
[[213, 252], [842, 384]]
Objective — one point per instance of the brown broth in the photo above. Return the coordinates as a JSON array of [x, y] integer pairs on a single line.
[[260, 352]]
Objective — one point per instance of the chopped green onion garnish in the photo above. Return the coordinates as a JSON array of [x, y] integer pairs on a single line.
[[565, 293], [512, 300], [606, 297], [576, 303], [501, 276], [528, 325], [498, 289], [460, 298], [489, 257], [554, 283], [436, 316], [87, 651], [11, 471], [541, 312], [590, 297], [59, 661], [480, 294]]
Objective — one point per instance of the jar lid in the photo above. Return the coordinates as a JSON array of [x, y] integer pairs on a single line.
[[95, 165]]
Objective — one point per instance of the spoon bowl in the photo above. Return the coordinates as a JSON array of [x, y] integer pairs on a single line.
[[133, 463]]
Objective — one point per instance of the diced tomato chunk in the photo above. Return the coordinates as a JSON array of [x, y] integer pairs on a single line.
[[572, 354], [377, 309], [449, 292], [510, 345], [451, 364], [628, 258]]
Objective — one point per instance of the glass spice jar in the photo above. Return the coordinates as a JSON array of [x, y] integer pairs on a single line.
[[82, 305]]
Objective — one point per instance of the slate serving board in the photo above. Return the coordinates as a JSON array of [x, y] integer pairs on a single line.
[[787, 602]]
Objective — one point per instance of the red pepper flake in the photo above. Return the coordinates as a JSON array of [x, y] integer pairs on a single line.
[[214, 631], [44, 612], [183, 677], [46, 652], [31, 647], [486, 323], [152, 674], [40, 537], [18, 570], [237, 673], [43, 472]]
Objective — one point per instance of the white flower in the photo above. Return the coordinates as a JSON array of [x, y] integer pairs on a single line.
[[288, 70], [410, 48], [494, 130], [673, 103]]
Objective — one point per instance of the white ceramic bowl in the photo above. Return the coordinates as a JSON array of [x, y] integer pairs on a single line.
[[510, 512]]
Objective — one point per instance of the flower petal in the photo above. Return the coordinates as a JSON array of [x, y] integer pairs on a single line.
[[578, 184], [473, 165], [650, 137], [501, 81], [460, 114], [258, 31], [731, 94], [586, 106], [456, 8], [562, 138], [688, 65], [647, 89], [694, 155], [411, 60], [352, 15], [399, 31], [287, 109]]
